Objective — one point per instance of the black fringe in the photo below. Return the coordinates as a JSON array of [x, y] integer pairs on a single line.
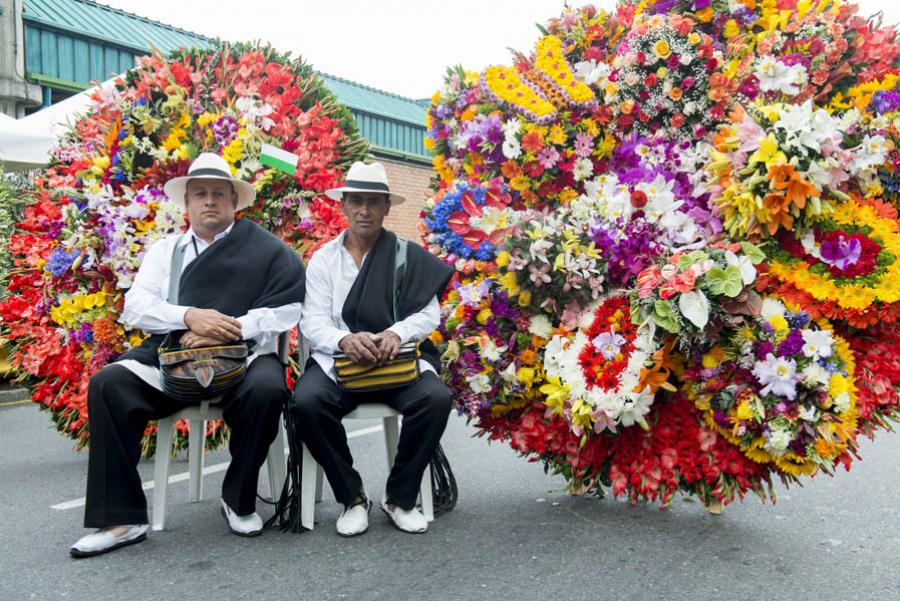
[[287, 508], [444, 491]]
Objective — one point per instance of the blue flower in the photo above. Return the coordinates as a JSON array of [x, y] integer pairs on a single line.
[[60, 261]]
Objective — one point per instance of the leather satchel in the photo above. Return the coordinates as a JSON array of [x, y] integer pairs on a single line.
[[400, 371], [198, 374]]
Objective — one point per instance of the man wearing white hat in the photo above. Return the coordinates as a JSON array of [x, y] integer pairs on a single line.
[[237, 282], [353, 304]]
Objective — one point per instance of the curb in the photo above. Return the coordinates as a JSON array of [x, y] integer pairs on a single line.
[[13, 394]]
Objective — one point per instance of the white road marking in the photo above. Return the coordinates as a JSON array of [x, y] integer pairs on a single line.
[[212, 469]]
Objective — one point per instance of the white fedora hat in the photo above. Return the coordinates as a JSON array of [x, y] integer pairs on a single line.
[[365, 178], [210, 166]]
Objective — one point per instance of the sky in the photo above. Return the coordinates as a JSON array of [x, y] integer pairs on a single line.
[[402, 47]]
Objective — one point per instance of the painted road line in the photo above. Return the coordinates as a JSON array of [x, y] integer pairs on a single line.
[[15, 403], [212, 469]]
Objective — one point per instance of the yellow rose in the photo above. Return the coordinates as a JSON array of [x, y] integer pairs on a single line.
[[662, 49], [510, 282], [483, 316], [731, 29], [502, 258]]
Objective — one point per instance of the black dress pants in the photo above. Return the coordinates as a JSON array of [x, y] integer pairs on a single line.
[[317, 410], [119, 406]]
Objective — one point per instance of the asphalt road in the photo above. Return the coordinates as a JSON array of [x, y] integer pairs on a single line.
[[514, 535]]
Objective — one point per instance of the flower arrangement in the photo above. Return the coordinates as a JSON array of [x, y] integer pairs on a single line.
[[664, 72], [92, 214], [594, 378], [781, 389], [693, 263], [697, 294], [845, 266]]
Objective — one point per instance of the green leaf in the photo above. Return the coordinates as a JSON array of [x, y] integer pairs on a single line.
[[753, 253], [665, 316], [724, 282], [692, 258]]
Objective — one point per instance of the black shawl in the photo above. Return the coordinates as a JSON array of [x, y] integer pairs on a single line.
[[247, 269], [370, 303]]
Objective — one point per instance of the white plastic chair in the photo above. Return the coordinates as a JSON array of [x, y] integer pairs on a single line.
[[197, 417], [311, 472]]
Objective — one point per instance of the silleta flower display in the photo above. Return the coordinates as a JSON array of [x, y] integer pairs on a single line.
[[672, 284], [92, 214]]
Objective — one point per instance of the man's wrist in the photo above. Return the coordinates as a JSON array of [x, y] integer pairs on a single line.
[[398, 332]]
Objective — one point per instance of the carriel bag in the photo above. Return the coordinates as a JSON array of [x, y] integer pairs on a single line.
[[198, 374], [400, 371]]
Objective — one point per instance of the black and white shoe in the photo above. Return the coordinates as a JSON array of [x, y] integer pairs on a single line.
[[104, 541], [242, 525], [408, 520]]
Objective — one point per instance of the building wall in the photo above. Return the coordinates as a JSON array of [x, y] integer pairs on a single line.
[[411, 181], [15, 93]]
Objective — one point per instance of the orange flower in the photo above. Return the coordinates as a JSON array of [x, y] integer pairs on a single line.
[[657, 376], [511, 170], [777, 207], [532, 142], [784, 177], [528, 357]]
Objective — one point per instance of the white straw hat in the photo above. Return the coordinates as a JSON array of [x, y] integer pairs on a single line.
[[365, 178], [210, 166]]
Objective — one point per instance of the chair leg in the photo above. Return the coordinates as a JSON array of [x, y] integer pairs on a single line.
[[196, 442], [164, 434], [425, 494], [307, 490], [391, 438], [275, 465], [320, 476]]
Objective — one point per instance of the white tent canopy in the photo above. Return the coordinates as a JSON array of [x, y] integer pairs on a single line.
[[21, 147], [26, 143]]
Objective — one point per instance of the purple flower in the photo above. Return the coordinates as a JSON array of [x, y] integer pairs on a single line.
[[791, 345], [841, 253], [764, 348], [885, 101]]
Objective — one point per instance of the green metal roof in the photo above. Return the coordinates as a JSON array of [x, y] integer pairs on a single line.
[[85, 18], [70, 43], [372, 100]]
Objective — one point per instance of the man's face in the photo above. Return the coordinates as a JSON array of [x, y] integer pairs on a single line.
[[365, 212], [210, 204]]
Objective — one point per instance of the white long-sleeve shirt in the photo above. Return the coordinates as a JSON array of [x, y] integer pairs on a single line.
[[147, 306], [329, 278]]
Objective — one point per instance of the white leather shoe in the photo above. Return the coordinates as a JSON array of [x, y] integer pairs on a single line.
[[242, 525], [353, 521], [104, 541], [407, 520]]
